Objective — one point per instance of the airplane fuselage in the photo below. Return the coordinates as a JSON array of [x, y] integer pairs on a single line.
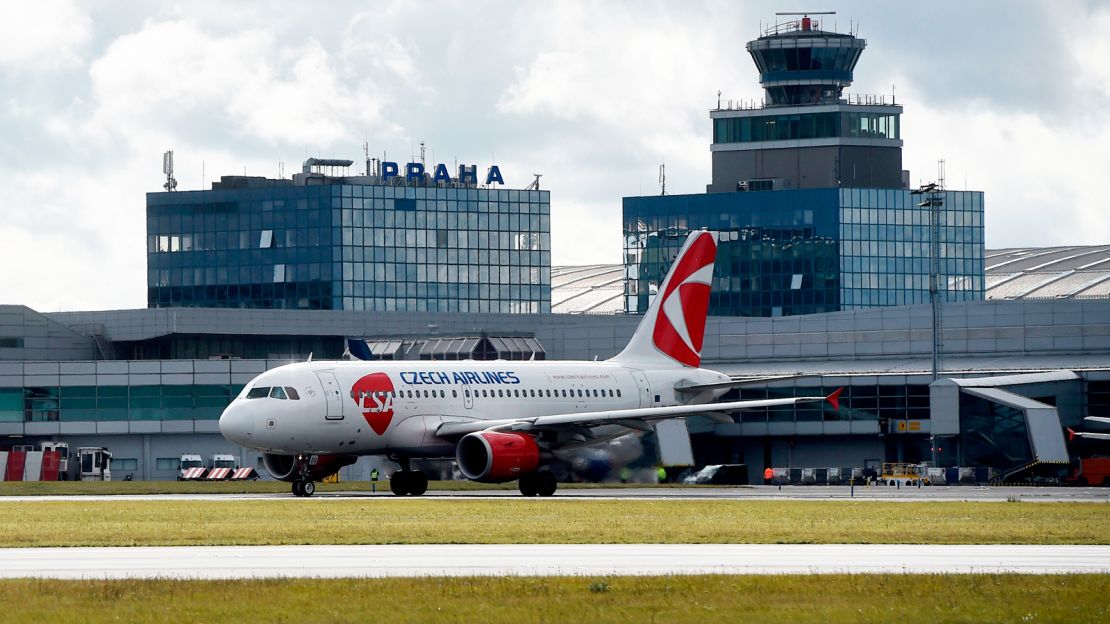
[[395, 408]]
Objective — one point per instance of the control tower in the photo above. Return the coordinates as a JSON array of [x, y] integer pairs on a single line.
[[806, 133]]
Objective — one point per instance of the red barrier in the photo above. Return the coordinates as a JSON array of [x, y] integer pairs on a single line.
[[50, 462], [16, 461]]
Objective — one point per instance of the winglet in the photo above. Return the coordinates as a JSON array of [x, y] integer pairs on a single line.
[[834, 398], [1071, 433]]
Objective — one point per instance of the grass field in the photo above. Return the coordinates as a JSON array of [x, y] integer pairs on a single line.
[[905, 599], [389, 520]]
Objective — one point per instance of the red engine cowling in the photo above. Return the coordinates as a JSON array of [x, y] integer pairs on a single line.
[[494, 457], [288, 467]]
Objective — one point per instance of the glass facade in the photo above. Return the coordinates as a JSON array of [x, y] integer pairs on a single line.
[[836, 124], [777, 253], [351, 247], [885, 247], [115, 403], [791, 252]]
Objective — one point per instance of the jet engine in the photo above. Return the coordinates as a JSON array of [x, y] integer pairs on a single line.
[[288, 467], [495, 457]]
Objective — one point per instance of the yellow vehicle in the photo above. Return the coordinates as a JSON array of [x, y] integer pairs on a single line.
[[911, 475]]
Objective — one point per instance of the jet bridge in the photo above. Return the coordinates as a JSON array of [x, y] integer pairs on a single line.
[[996, 427]]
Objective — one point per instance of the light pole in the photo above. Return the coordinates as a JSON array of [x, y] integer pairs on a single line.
[[933, 201]]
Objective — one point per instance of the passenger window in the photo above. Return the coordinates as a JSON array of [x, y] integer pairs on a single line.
[[516, 393], [500, 393], [258, 393], [292, 393], [443, 394], [618, 391], [466, 393], [454, 394], [277, 393], [580, 392], [483, 393], [595, 392]]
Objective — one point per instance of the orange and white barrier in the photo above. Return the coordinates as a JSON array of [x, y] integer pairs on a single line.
[[219, 474], [243, 474], [192, 474]]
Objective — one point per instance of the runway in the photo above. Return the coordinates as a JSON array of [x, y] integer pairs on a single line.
[[235, 562], [759, 492]]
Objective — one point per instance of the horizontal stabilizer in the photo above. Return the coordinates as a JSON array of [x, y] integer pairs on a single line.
[[738, 382]]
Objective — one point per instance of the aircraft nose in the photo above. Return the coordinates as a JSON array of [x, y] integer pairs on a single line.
[[237, 423]]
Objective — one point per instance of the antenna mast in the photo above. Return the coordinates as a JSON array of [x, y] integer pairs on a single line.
[[663, 178], [167, 168]]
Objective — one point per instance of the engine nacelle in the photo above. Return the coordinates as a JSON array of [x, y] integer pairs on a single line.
[[288, 467], [494, 457]]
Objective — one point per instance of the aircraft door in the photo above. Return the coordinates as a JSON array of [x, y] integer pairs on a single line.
[[645, 389], [333, 395]]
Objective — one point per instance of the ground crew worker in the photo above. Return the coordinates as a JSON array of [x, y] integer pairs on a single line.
[[662, 473], [768, 474], [626, 474]]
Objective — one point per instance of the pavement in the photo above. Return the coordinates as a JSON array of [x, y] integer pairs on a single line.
[[760, 492], [234, 562]]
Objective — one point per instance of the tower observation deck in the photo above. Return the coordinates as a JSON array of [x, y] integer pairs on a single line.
[[806, 133]]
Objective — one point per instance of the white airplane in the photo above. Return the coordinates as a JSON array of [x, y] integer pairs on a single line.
[[500, 420], [1090, 434]]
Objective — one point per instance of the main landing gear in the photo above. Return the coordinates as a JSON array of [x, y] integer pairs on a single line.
[[304, 487], [540, 483], [408, 482]]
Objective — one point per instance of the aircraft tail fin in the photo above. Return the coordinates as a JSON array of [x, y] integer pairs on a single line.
[[671, 333]]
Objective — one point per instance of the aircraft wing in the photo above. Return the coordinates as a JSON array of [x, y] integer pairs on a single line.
[[633, 418], [1098, 419]]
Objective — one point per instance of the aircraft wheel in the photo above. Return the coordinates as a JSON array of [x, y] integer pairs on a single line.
[[399, 483], [308, 488], [528, 484], [546, 483], [298, 488], [417, 482]]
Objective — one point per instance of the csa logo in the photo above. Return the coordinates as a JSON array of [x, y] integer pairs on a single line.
[[680, 326], [374, 396]]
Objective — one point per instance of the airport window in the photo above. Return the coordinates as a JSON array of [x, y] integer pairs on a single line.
[[277, 393], [292, 393], [125, 464], [11, 343], [167, 463], [258, 393]]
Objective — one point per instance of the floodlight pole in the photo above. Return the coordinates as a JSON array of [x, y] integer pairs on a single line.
[[934, 200]]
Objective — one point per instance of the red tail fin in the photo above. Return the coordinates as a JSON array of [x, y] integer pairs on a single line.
[[834, 398]]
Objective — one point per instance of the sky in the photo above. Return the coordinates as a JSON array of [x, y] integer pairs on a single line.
[[1014, 96]]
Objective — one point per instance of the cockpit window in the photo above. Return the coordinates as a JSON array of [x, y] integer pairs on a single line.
[[277, 393], [258, 393], [292, 392]]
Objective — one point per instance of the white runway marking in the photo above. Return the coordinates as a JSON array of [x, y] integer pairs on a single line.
[[231, 562]]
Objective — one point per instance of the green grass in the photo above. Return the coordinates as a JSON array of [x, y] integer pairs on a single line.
[[905, 599], [390, 520], [111, 488]]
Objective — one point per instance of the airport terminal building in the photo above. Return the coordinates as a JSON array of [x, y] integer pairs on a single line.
[[822, 275]]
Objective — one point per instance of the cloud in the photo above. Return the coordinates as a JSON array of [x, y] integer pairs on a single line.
[[43, 35]]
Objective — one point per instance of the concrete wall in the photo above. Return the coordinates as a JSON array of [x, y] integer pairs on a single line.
[[970, 329], [847, 166], [43, 338]]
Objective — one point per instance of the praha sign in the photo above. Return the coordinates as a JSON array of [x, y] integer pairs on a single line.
[[414, 172]]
